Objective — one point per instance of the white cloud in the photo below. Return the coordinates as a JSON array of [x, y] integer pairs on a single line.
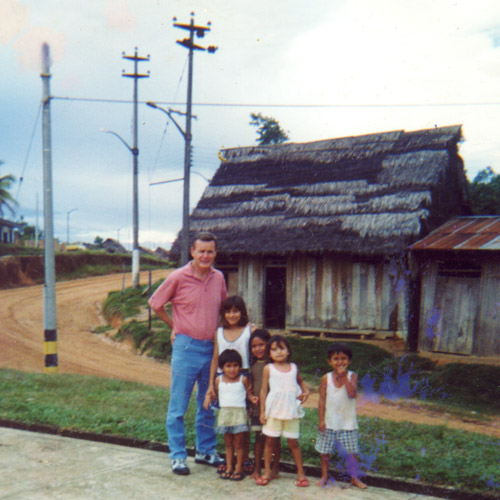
[[119, 16], [14, 17]]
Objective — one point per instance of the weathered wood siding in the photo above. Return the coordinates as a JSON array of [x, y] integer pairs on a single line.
[[460, 314], [429, 313], [487, 335], [337, 293], [251, 287]]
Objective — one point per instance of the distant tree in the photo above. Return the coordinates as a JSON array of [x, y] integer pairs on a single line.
[[98, 242], [29, 232], [485, 193], [269, 130], [6, 199]]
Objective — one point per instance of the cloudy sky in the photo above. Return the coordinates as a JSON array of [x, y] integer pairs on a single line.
[[323, 68]]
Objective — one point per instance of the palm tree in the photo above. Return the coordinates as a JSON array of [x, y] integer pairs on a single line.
[[6, 199]]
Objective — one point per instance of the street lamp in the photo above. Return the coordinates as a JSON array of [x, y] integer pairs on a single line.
[[67, 224], [118, 233], [187, 166], [135, 210]]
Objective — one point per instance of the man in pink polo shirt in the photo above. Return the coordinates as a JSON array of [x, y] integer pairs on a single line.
[[196, 292]]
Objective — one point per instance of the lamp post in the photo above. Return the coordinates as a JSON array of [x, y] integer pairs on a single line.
[[187, 166], [135, 211], [118, 234], [67, 224]]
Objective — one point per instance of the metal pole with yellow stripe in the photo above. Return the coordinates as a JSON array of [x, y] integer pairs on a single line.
[[50, 351], [49, 289]]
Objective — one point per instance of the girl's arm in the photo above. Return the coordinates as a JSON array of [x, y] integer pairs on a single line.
[[351, 386], [322, 403], [213, 369], [248, 387], [305, 390], [209, 398], [263, 394]]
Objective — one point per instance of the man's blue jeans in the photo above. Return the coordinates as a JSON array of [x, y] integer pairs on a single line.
[[190, 363]]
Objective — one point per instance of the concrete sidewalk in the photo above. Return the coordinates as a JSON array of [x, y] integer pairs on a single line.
[[44, 466]]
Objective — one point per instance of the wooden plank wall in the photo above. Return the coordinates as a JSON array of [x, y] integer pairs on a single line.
[[487, 335], [429, 313], [474, 308], [337, 293], [251, 287]]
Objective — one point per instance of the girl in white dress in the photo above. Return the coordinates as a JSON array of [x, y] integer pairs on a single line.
[[282, 393], [232, 388]]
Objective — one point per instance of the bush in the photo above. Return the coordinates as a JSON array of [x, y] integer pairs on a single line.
[[474, 384]]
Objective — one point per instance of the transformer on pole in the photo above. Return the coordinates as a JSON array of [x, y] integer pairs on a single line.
[[189, 44]]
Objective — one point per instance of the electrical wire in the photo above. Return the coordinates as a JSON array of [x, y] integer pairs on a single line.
[[288, 105], [21, 178]]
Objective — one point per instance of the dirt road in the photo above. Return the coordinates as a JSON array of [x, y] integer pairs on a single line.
[[81, 351]]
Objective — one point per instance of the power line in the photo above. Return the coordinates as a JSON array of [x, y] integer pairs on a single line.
[[21, 178], [285, 105]]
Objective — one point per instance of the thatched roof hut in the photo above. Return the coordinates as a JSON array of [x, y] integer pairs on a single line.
[[371, 194], [311, 235]]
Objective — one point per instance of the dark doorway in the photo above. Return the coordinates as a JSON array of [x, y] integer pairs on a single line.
[[275, 297]]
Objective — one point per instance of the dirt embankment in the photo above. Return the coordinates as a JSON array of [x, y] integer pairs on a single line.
[[26, 270]]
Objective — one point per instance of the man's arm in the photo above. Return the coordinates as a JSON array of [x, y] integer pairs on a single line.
[[160, 299]]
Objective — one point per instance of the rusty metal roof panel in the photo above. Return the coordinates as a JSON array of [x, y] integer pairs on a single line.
[[464, 233], [493, 244]]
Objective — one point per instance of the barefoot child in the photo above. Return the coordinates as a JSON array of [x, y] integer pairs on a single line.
[[258, 359], [338, 426], [232, 388], [233, 334], [280, 407]]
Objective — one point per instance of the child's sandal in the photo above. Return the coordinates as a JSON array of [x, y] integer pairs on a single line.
[[262, 481], [226, 474], [248, 467], [237, 476], [303, 482]]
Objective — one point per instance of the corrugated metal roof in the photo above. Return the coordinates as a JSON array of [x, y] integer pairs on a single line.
[[464, 233]]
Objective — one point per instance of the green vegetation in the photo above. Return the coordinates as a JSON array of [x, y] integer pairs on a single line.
[[6, 199], [269, 130], [430, 454], [10, 249], [456, 387], [484, 193], [155, 342]]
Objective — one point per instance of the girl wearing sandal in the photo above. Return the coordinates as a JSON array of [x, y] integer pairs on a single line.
[[281, 394], [232, 388]]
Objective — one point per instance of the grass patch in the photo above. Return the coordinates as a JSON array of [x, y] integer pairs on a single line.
[[459, 387], [101, 329], [92, 270], [124, 305], [432, 454]]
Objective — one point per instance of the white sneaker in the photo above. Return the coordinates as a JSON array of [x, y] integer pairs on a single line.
[[213, 459], [179, 467]]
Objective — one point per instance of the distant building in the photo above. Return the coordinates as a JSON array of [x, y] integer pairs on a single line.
[[8, 231], [113, 246], [161, 253]]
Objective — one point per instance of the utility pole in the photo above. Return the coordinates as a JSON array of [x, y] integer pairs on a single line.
[[135, 154], [189, 44], [49, 288]]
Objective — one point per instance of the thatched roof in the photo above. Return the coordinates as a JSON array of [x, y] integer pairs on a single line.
[[372, 194]]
